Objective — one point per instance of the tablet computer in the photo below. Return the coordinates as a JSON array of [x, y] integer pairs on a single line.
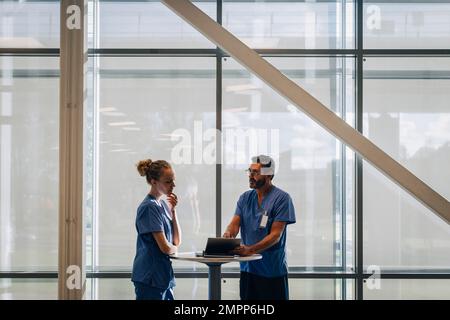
[[221, 247]]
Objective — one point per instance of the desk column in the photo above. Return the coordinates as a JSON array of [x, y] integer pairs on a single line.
[[214, 281]]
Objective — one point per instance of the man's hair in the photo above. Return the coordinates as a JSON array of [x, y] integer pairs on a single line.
[[267, 165]]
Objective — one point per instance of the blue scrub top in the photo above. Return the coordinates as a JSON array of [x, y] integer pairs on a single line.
[[151, 266], [278, 205]]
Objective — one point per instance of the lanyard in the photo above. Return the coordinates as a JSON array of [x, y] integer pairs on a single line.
[[264, 216]]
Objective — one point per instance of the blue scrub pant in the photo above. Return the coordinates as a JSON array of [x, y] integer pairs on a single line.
[[146, 292], [255, 287]]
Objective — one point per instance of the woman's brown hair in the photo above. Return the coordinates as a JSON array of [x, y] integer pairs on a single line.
[[152, 169]]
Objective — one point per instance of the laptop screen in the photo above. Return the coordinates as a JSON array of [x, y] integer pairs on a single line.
[[221, 246]]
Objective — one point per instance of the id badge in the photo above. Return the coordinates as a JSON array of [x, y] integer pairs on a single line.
[[264, 219]]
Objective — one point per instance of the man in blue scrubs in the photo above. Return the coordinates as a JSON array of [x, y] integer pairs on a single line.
[[262, 215]]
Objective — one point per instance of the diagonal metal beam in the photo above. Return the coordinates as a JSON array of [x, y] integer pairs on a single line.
[[311, 106]]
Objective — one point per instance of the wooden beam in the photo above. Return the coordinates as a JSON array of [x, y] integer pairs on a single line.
[[73, 56]]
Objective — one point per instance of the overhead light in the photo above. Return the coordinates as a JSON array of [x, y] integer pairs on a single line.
[[236, 109], [107, 109], [131, 128], [114, 114], [124, 123], [170, 135], [241, 87]]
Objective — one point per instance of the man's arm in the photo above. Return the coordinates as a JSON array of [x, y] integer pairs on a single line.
[[233, 228], [271, 239]]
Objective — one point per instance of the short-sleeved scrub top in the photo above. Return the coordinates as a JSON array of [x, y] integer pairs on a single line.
[[151, 266], [278, 206]]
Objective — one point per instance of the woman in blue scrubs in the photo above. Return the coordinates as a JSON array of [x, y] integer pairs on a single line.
[[159, 234]]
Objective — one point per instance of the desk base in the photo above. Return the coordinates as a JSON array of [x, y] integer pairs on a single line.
[[214, 281]]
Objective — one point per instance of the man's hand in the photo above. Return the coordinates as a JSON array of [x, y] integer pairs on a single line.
[[226, 234], [232, 229], [244, 250]]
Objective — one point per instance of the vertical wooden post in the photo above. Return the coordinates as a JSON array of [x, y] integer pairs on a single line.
[[73, 57]]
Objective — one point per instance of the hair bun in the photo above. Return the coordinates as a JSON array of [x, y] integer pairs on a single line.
[[143, 166]]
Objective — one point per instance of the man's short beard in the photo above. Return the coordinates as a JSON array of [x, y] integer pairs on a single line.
[[259, 184]]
